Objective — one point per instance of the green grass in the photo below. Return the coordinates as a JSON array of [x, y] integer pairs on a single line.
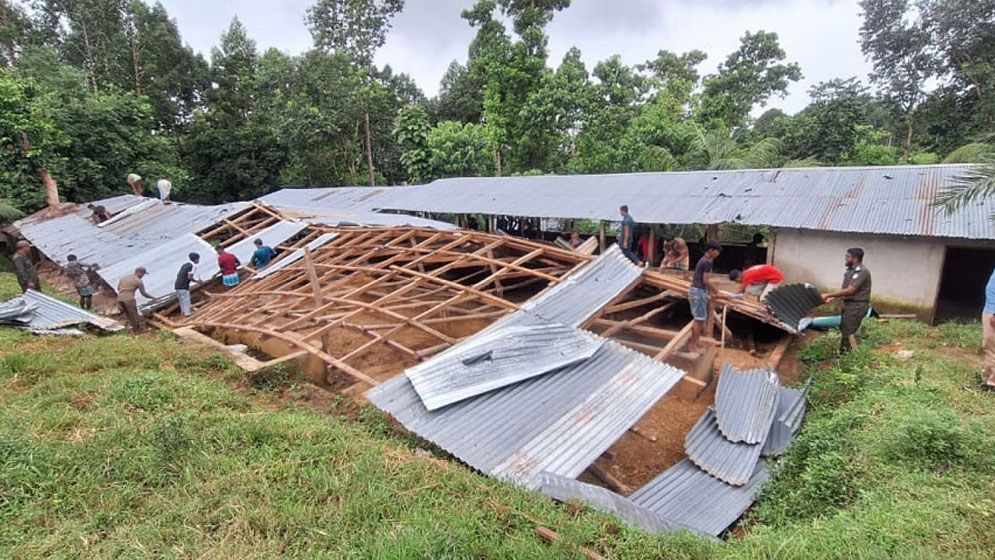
[[119, 447]]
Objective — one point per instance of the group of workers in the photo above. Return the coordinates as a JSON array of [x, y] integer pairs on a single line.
[[759, 280], [79, 273], [186, 277]]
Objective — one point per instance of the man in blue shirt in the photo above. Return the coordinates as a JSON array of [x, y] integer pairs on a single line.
[[988, 323], [627, 235], [263, 255]]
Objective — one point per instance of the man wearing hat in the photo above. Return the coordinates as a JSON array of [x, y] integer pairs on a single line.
[[126, 288], [24, 267]]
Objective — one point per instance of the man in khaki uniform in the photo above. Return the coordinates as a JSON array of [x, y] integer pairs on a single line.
[[856, 296], [24, 267], [126, 289]]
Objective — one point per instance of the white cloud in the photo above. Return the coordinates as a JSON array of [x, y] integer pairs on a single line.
[[821, 35]]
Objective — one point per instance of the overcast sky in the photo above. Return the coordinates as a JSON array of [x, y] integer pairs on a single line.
[[821, 35]]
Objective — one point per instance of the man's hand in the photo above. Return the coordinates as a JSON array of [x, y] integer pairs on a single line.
[[32, 286], [826, 298]]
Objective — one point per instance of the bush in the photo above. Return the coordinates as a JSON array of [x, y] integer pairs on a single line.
[[930, 438]]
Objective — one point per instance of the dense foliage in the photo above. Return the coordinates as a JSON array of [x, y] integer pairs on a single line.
[[91, 90]]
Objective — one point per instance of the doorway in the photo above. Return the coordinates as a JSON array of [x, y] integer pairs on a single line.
[[962, 283]]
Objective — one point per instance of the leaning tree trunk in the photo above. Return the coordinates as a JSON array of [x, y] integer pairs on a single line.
[[51, 187]]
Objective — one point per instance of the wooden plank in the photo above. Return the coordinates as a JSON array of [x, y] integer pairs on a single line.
[[297, 341], [675, 343], [549, 535], [242, 360], [636, 303], [775, 357]]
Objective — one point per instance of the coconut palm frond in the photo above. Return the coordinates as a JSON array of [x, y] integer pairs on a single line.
[[9, 212], [977, 152], [975, 184]]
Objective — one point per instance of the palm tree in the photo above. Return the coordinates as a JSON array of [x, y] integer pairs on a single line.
[[719, 150], [977, 183]]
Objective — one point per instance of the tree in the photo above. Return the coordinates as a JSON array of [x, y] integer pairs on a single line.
[[232, 150], [460, 96], [29, 138], [897, 41], [833, 123], [461, 150], [748, 77], [412, 133], [677, 74], [355, 27]]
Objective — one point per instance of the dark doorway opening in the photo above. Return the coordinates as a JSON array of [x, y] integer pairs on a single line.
[[962, 283]]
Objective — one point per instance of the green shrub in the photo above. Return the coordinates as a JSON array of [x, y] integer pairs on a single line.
[[930, 438]]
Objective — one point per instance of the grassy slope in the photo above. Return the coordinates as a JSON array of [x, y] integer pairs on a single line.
[[123, 447]]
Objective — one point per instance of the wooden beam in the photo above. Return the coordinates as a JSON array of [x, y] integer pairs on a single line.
[[675, 343]]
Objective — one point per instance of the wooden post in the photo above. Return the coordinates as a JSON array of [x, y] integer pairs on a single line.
[[725, 313], [712, 232], [651, 257], [601, 237], [770, 246]]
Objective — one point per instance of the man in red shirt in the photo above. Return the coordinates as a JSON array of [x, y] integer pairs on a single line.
[[228, 263], [757, 281]]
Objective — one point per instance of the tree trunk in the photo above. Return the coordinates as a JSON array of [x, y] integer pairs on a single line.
[[369, 148], [51, 187], [907, 146], [91, 65]]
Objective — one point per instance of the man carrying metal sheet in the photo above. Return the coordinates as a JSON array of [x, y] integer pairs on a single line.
[[126, 288], [856, 296], [757, 281], [186, 275]]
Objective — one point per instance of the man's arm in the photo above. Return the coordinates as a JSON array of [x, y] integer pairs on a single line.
[[625, 235], [141, 288]]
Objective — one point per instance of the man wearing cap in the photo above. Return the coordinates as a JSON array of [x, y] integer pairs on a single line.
[[856, 296], [24, 267], [126, 288]]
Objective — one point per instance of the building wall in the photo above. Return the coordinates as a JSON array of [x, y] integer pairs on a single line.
[[903, 269]]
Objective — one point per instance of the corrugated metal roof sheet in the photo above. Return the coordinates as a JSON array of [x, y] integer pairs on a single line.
[[562, 488], [497, 358], [688, 495], [123, 235], [163, 263], [787, 419], [559, 422], [893, 200], [375, 219], [793, 302], [744, 403], [39, 312], [271, 236], [585, 291], [725, 460], [296, 255]]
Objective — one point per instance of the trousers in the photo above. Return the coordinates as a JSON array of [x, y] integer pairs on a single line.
[[852, 315]]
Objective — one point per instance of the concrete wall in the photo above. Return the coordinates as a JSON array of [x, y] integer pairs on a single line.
[[903, 269]]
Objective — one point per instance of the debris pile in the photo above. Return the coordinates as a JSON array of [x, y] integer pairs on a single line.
[[753, 416], [42, 314]]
